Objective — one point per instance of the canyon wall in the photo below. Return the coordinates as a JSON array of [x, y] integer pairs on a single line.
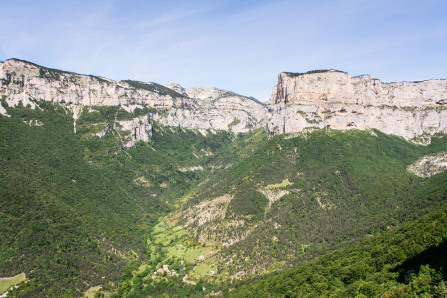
[[333, 99], [194, 108], [317, 99]]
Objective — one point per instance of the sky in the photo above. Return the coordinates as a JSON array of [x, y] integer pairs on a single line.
[[238, 45]]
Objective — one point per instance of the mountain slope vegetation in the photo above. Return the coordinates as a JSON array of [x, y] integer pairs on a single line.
[[405, 262], [72, 214], [332, 190], [80, 210], [294, 198]]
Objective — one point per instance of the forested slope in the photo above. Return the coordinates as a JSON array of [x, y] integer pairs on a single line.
[[75, 209], [335, 189], [403, 262], [80, 209], [286, 199]]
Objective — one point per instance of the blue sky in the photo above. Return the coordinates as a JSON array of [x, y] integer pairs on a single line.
[[236, 45]]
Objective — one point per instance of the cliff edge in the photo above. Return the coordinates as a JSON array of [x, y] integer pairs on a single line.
[[334, 99]]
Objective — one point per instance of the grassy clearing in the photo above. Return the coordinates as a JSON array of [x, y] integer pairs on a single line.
[[192, 254], [173, 252], [177, 251], [158, 229], [8, 282], [142, 268], [175, 243], [90, 293], [163, 238], [166, 238], [180, 233], [283, 184], [203, 269]]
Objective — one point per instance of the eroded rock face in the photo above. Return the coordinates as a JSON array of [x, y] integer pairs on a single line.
[[317, 99], [24, 79], [334, 99], [201, 107], [140, 130], [213, 108], [429, 165]]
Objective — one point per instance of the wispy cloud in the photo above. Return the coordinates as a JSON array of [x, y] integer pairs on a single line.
[[237, 45]]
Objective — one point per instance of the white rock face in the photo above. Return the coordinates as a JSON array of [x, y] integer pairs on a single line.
[[334, 86], [429, 165], [214, 108], [334, 99], [36, 82], [3, 111], [206, 93], [177, 88], [140, 129], [201, 108], [316, 99], [191, 169]]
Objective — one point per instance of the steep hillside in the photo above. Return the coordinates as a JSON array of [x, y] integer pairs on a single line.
[[295, 197], [405, 262], [104, 184], [75, 209], [283, 201]]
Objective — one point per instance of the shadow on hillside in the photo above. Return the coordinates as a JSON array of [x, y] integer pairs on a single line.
[[435, 257]]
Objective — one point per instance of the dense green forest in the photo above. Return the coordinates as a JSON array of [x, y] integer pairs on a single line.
[[343, 187], [334, 211], [405, 262], [75, 209], [332, 188]]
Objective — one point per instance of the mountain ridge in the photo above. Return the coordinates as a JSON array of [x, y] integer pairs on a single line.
[[334, 99], [169, 180], [315, 99], [26, 82]]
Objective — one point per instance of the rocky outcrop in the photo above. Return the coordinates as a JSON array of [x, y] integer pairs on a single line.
[[429, 165], [195, 108], [317, 99], [213, 108], [24, 79], [334, 99], [140, 129]]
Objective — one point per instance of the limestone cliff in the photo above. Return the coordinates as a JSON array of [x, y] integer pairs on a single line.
[[24, 80], [333, 99], [325, 98], [214, 108], [201, 108]]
